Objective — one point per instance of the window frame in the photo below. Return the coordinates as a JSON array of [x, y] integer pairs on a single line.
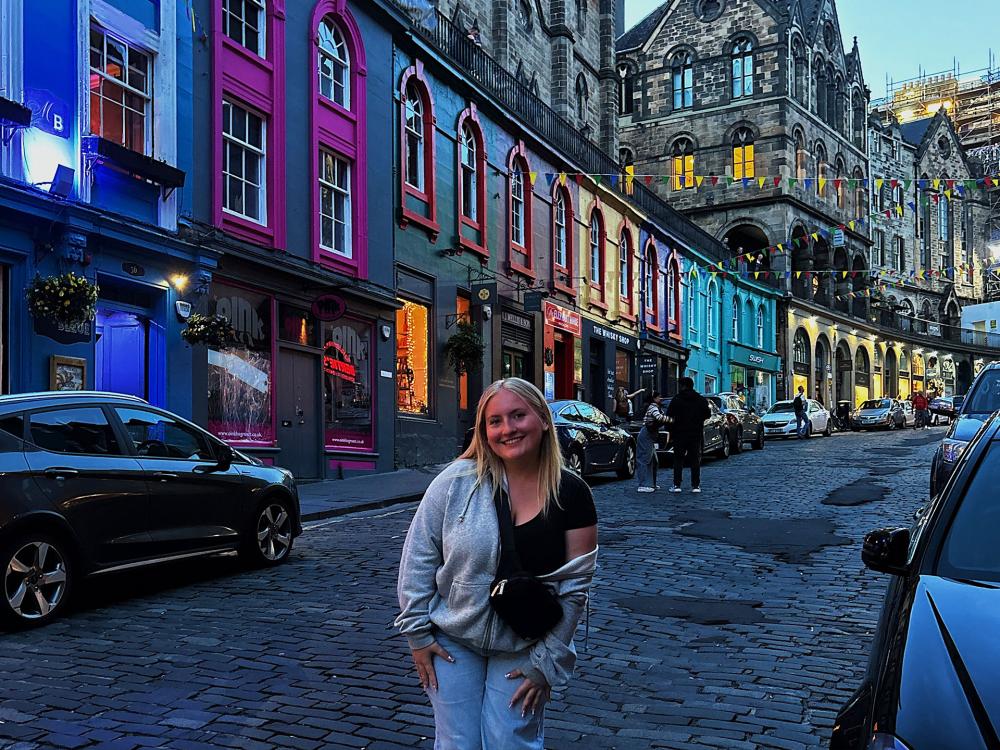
[[682, 164], [322, 53], [469, 119], [741, 53], [262, 16], [626, 304], [743, 154], [650, 283], [682, 80], [711, 323], [414, 80], [210, 439], [735, 332], [561, 196], [760, 326], [597, 249], [124, 451], [347, 197], [520, 254], [431, 364], [262, 154], [147, 95]]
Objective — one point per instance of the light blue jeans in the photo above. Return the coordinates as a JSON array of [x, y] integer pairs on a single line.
[[472, 703], [646, 461]]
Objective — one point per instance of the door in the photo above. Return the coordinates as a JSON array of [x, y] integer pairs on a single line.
[[85, 472], [193, 504], [299, 415], [120, 353]]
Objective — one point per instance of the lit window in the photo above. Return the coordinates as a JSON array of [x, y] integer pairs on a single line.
[[335, 204], [624, 258], [414, 139], [413, 358], [736, 319], [760, 327], [560, 233], [683, 164], [243, 163], [334, 64], [742, 66], [517, 206], [596, 272], [243, 22], [683, 72], [468, 149], [743, 164], [121, 102]]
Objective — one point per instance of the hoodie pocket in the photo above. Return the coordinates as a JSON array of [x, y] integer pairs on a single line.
[[468, 597]]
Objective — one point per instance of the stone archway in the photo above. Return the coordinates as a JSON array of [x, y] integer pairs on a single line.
[[749, 238], [843, 380], [862, 376], [802, 264], [859, 282], [841, 285], [963, 377], [822, 283], [801, 364], [823, 372], [891, 386]]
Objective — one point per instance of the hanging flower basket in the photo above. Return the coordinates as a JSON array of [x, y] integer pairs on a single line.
[[68, 298], [465, 348], [212, 330]]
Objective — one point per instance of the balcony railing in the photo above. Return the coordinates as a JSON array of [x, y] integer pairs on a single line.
[[477, 64]]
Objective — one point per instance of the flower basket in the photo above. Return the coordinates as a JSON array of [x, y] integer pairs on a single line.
[[465, 348], [68, 298], [212, 330]]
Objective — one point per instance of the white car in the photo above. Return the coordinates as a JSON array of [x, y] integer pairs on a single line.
[[779, 420]]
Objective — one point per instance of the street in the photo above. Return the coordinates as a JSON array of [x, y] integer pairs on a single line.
[[738, 618]]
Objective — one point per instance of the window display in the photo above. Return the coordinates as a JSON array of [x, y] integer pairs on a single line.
[[413, 358], [240, 385], [347, 385]]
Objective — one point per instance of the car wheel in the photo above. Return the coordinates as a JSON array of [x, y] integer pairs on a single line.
[[723, 450], [758, 444], [737, 446], [270, 539], [627, 470], [38, 575], [828, 431], [574, 462]]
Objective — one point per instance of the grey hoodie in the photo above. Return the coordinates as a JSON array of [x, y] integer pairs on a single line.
[[449, 561]]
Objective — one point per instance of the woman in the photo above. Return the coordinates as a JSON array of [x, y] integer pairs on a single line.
[[487, 685], [646, 459], [623, 403]]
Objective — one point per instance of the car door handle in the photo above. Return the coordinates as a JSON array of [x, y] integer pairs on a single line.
[[60, 472], [164, 476]]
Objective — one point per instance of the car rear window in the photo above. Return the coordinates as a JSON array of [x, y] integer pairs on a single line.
[[13, 425], [985, 395], [781, 408], [82, 429], [970, 550]]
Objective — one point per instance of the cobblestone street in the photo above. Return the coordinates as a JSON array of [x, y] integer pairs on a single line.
[[737, 618]]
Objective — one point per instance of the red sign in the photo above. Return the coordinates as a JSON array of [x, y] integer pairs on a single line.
[[560, 317]]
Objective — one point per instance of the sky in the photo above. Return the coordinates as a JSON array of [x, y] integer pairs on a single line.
[[900, 38]]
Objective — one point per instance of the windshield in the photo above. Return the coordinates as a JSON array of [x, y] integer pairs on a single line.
[[985, 395], [875, 404], [970, 550], [782, 407]]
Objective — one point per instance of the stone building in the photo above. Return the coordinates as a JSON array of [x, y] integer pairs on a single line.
[[562, 50]]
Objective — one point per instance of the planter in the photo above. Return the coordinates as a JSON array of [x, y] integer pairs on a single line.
[[465, 348], [211, 330], [69, 299]]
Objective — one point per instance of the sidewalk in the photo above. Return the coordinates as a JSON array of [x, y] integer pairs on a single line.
[[336, 497]]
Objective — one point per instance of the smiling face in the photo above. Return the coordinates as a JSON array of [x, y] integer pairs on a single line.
[[513, 429]]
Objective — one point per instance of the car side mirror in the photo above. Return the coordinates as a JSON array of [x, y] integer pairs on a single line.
[[226, 456], [886, 550]]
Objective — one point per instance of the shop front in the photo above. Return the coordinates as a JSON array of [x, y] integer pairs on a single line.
[[917, 371], [905, 389], [660, 366], [517, 345], [752, 374], [563, 351], [611, 357]]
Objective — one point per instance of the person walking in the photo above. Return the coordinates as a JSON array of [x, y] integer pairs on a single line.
[[920, 407], [932, 394], [687, 412], [647, 462], [801, 407], [623, 404], [487, 663]]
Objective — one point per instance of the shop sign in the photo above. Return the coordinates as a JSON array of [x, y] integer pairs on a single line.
[[607, 333], [533, 301], [839, 238], [328, 307], [550, 386], [133, 269], [516, 320], [755, 359], [484, 294], [763, 361], [560, 317], [64, 333], [647, 365]]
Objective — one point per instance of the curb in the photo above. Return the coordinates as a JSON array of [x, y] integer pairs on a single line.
[[361, 507]]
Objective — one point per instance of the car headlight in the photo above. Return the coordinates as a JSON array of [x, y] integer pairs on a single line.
[[886, 742], [951, 450]]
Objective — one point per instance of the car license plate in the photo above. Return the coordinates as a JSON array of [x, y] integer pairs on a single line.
[[774, 429]]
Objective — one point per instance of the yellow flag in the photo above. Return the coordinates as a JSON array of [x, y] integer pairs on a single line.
[[843, 274], [798, 274], [629, 176], [698, 180], [851, 225], [822, 184], [781, 247], [532, 176], [760, 182], [815, 236], [899, 210], [878, 183], [562, 179], [947, 194], [756, 274], [936, 184], [920, 274]]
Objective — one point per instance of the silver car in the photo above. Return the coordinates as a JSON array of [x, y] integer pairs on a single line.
[[879, 413]]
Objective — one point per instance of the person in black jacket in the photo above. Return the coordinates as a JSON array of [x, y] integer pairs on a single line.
[[688, 411]]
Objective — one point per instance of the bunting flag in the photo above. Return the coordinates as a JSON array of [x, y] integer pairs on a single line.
[[699, 180], [562, 179], [532, 176]]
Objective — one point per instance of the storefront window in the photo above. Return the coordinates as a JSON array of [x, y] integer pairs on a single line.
[[296, 325], [623, 374], [347, 385], [463, 309], [413, 358], [240, 386]]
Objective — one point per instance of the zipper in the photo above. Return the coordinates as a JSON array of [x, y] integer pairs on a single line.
[[498, 589], [489, 629]]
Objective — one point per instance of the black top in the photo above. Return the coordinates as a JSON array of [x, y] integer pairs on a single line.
[[541, 542], [689, 410]]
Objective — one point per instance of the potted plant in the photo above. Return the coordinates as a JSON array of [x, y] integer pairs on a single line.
[[69, 298], [465, 348], [212, 330]]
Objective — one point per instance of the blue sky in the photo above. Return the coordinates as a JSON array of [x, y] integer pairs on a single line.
[[899, 37]]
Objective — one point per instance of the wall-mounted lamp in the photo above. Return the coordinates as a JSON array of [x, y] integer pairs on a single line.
[[179, 281]]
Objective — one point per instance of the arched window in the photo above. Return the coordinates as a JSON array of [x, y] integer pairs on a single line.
[[860, 197], [560, 247], [563, 257], [799, 84], [673, 281], [625, 157], [711, 324], [651, 302], [821, 170], [626, 90], [800, 350], [743, 160], [760, 327], [468, 148], [625, 270], [472, 212], [582, 97], [517, 205], [742, 68], [858, 119], [819, 89], [519, 219], [944, 224], [334, 64], [736, 319], [692, 301], [415, 147], [839, 185], [597, 251], [682, 159], [801, 157], [683, 80]]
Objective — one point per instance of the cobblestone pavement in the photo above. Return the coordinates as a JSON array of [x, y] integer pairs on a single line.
[[739, 618]]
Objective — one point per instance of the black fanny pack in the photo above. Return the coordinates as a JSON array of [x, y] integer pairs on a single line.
[[529, 606]]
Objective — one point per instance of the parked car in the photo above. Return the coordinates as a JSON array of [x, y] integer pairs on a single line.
[[744, 424], [931, 682], [980, 402], [715, 436], [779, 420], [590, 443], [96, 482], [946, 406], [879, 414]]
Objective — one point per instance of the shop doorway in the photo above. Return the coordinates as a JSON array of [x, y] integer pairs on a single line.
[[299, 414], [129, 353], [845, 368], [564, 365], [597, 387]]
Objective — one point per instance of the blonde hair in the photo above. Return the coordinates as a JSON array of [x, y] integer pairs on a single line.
[[490, 465]]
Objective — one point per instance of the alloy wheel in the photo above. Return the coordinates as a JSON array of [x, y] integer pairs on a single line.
[[274, 532], [35, 580], [630, 460], [575, 463]]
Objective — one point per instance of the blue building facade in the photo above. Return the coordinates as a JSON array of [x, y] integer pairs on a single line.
[[95, 173]]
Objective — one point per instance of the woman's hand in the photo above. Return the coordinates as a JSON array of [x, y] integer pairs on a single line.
[[532, 694], [423, 658]]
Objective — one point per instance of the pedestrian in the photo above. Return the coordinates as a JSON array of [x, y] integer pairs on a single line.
[[687, 411], [801, 407], [486, 650], [920, 407], [647, 462], [931, 396], [819, 395], [623, 404]]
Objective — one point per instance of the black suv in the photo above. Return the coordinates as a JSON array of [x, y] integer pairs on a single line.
[[980, 402], [96, 482]]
